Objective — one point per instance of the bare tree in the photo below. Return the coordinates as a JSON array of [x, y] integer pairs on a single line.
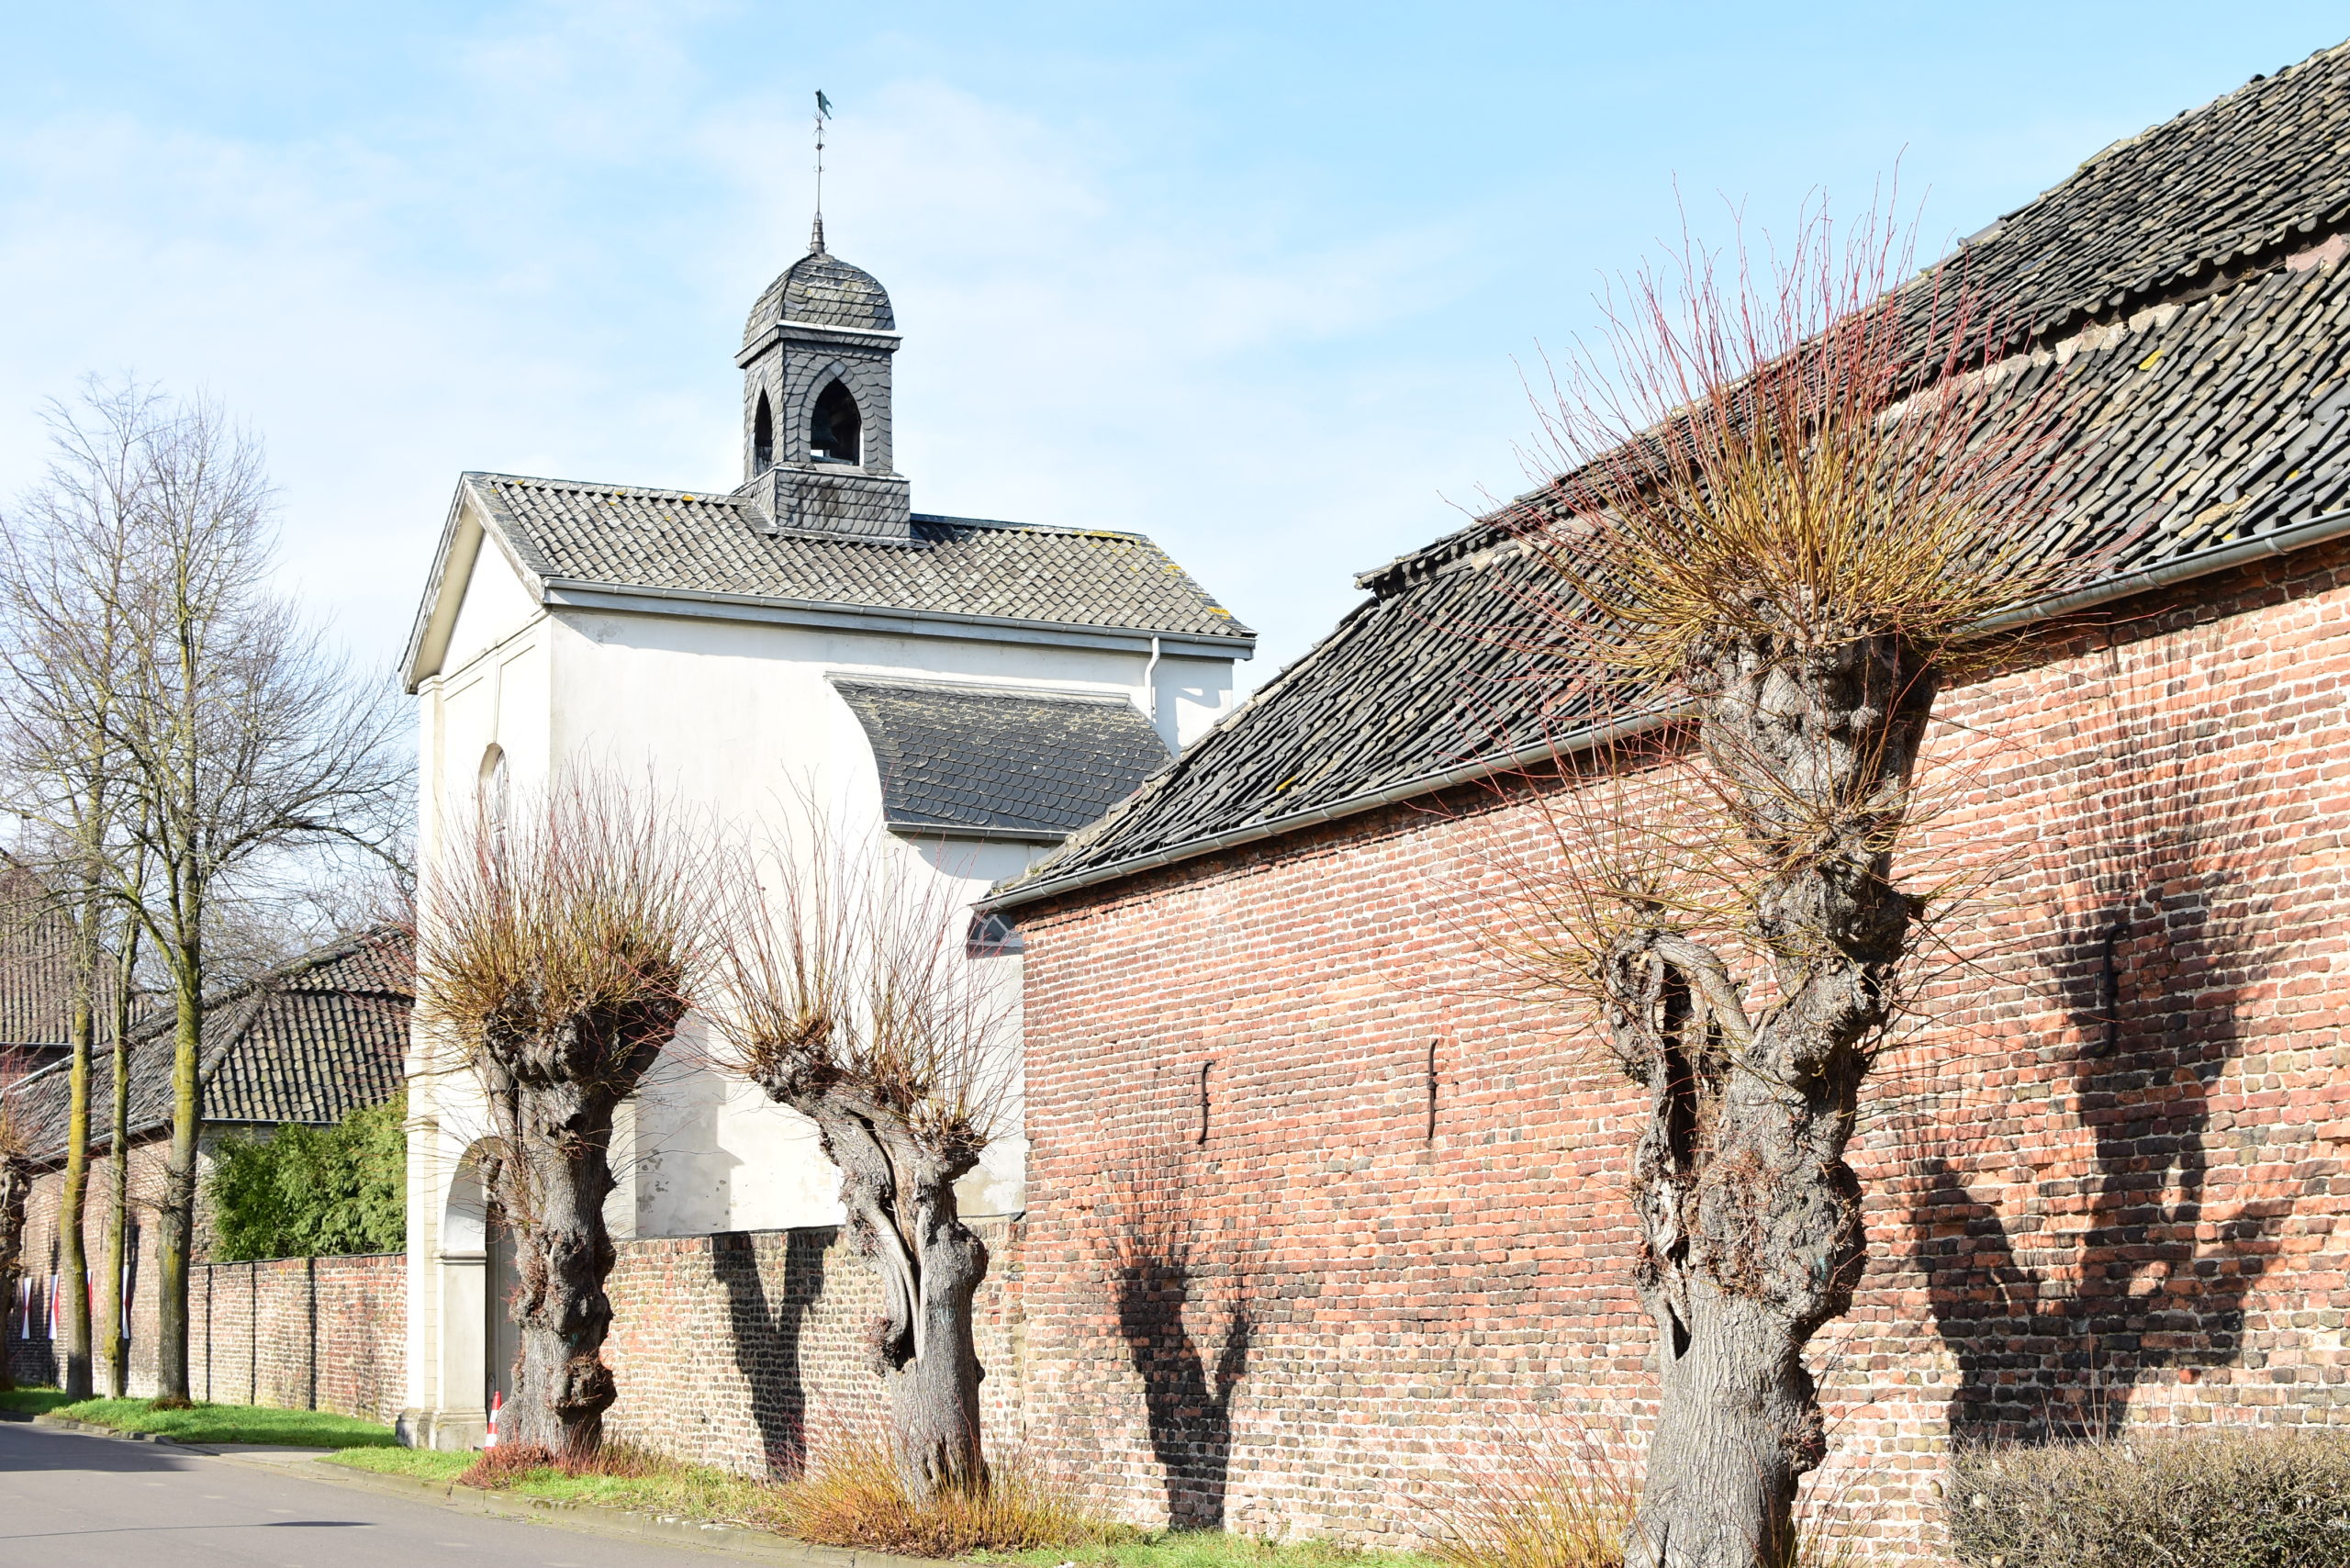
[[227, 736], [556, 949], [1790, 507], [850, 998], [67, 650]]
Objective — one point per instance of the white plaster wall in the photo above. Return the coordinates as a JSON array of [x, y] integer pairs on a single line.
[[736, 717]]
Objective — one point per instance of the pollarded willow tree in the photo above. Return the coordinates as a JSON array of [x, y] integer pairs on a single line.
[[556, 945], [1793, 508], [848, 997]]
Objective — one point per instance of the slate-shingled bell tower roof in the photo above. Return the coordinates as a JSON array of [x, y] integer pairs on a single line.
[[816, 393], [821, 290]]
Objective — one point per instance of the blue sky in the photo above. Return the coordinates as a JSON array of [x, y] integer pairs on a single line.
[[1256, 280]]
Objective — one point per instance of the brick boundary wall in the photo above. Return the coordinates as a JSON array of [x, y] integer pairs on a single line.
[[745, 1349], [296, 1333], [1320, 1221], [742, 1350]]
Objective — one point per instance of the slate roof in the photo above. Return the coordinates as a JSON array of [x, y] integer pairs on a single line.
[[2209, 338], [822, 289], [321, 1036], [1026, 764], [678, 541]]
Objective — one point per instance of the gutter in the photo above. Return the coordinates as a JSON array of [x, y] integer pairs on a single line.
[[588, 594], [2201, 563]]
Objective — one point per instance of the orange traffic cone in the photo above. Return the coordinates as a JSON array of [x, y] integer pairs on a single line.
[[496, 1403]]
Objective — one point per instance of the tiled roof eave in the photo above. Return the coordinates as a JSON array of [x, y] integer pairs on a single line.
[[743, 606], [1015, 893]]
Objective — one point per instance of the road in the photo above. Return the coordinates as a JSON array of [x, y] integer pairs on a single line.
[[71, 1501]]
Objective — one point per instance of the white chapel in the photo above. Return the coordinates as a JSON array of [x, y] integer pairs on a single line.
[[980, 689]]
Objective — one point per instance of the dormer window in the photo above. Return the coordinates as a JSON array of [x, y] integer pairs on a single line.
[[762, 438], [836, 430]]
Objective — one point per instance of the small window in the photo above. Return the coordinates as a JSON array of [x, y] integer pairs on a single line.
[[992, 936], [836, 432], [762, 438]]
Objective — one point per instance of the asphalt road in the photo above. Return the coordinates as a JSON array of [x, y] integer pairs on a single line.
[[70, 1501]]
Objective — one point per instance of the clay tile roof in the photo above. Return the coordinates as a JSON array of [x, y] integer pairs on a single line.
[[682, 541], [307, 1042], [2205, 349], [1015, 763]]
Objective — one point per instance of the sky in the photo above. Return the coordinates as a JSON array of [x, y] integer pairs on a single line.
[[1265, 282]]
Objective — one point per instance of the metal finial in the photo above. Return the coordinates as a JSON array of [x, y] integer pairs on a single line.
[[824, 113]]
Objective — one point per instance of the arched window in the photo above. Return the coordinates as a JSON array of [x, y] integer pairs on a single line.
[[762, 438], [836, 433], [492, 788]]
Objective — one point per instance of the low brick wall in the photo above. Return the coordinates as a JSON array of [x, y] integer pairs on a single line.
[[301, 1333], [747, 1349]]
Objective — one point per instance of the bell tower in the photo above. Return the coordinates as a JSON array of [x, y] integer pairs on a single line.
[[815, 361]]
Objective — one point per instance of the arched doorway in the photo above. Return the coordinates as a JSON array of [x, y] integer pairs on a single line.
[[478, 1339]]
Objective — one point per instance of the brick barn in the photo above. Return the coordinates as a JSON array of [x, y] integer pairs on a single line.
[[1311, 1216], [303, 1044]]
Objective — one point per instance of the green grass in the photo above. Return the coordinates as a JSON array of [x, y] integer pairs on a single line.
[[32, 1400], [1213, 1548], [677, 1491], [424, 1464], [232, 1424]]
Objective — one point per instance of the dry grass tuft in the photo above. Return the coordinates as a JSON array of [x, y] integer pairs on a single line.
[[1560, 1497], [854, 1497], [2258, 1498], [508, 1465]]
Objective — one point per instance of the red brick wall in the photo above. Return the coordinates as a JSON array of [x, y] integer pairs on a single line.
[[745, 1349], [1267, 1285], [298, 1333]]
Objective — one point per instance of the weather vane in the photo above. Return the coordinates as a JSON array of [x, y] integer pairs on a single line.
[[824, 113]]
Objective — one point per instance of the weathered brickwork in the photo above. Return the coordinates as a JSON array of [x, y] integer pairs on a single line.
[[745, 1350], [299, 1333], [749, 1350], [1317, 1211]]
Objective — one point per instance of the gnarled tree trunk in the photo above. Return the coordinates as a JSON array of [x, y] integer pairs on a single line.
[[899, 1193], [552, 1094], [1750, 1219]]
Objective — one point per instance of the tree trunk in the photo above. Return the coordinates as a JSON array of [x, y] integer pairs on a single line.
[[113, 1340], [73, 1202], [15, 1188], [175, 1224], [903, 1220], [1750, 1219], [554, 1093]]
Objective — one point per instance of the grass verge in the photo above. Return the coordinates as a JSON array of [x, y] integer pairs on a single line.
[[32, 1400], [231, 1424]]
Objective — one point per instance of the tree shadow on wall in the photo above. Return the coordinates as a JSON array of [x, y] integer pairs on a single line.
[[2163, 922], [1163, 1293], [764, 1328]]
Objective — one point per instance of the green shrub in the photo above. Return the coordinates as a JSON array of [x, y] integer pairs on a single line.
[[313, 1192], [2228, 1499]]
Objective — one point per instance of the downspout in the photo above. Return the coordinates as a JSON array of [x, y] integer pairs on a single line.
[[1150, 683]]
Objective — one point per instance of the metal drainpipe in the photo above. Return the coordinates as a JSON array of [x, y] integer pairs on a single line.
[[1150, 682]]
